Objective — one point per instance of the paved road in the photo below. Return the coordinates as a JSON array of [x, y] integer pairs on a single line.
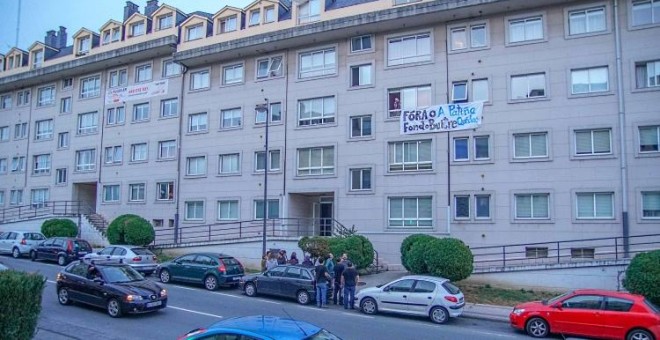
[[190, 307]]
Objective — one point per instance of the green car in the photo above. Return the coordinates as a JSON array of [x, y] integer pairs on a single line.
[[210, 269]]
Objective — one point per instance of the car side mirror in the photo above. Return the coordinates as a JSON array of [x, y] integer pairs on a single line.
[[386, 289], [557, 305]]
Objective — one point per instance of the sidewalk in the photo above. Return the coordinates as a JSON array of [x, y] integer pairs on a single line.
[[471, 310]]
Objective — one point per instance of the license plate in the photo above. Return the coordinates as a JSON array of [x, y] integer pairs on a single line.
[[154, 304]]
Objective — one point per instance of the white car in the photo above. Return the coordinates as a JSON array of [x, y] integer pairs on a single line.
[[140, 258], [18, 243], [430, 296]]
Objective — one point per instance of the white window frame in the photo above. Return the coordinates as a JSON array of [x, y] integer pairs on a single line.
[[585, 15], [595, 213], [325, 164], [61, 176], [43, 129], [116, 116], [274, 114], [590, 74], [170, 68], [41, 164], [359, 175], [143, 73], [365, 75], [309, 116], [39, 197], [225, 22], [196, 165], [422, 53], [15, 197], [643, 5], [470, 41], [273, 67], [423, 218], [254, 17], [165, 21], [274, 160], [46, 96], [533, 198], [90, 91], [195, 32], [408, 98], [137, 29], [228, 210], [113, 154], [85, 160], [309, 11], [231, 118], [269, 14], [195, 122], [233, 74], [259, 211], [357, 123], [88, 123], [20, 131], [530, 140], [647, 75], [645, 140], [526, 24], [18, 164], [398, 159], [165, 191], [118, 78], [359, 40], [169, 108], [197, 211], [141, 112], [139, 152], [652, 205], [591, 135], [23, 98], [63, 140], [65, 104], [201, 83], [137, 192], [167, 149], [5, 101], [229, 163], [308, 66]]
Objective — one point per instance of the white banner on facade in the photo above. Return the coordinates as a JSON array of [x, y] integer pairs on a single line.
[[441, 118], [135, 92]]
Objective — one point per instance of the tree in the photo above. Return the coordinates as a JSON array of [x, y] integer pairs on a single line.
[[643, 275], [407, 245], [130, 229], [444, 257], [59, 227]]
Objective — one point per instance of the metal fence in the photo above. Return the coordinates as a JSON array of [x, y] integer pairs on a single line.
[[43, 209]]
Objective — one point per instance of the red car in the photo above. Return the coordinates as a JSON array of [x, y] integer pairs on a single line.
[[590, 312]]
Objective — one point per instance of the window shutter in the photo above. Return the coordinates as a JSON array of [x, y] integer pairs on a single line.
[[604, 205], [582, 142], [521, 146], [539, 147], [585, 205], [523, 206], [540, 206], [602, 141]]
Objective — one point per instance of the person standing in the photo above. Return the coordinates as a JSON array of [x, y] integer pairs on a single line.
[[337, 293], [322, 278], [349, 279], [330, 264], [271, 263], [294, 258]]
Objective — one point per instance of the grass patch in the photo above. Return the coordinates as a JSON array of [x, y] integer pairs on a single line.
[[486, 294]]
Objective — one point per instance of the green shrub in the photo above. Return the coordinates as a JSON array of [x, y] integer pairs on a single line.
[[316, 246], [643, 275], [20, 294], [59, 227], [408, 243], [416, 260], [449, 258], [358, 248], [130, 229]]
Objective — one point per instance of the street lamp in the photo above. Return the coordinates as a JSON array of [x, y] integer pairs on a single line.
[[263, 108]]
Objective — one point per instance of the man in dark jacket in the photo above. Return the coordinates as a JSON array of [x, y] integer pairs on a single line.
[[349, 279], [322, 279], [337, 292]]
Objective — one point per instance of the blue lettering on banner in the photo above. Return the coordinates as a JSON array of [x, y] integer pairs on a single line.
[[440, 118]]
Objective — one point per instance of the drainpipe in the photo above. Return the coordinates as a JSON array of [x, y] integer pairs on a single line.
[[622, 134], [177, 186], [448, 141]]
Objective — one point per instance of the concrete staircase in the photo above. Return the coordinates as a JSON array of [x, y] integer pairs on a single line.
[[98, 222]]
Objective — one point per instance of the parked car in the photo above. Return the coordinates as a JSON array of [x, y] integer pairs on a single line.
[[292, 281], [18, 243], [261, 327], [116, 287], [61, 249], [210, 269], [592, 313], [430, 296], [140, 258]]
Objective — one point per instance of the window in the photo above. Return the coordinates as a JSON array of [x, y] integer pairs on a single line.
[[462, 207], [272, 209], [116, 116], [589, 80], [84, 44], [199, 80], [595, 205], [269, 14], [410, 211], [647, 74], [165, 21], [275, 113], [536, 252], [645, 12], [196, 166], [194, 211], [482, 206], [170, 68], [195, 32], [229, 163], [23, 98], [139, 152], [593, 142], [227, 24], [37, 58], [5, 101], [269, 67], [532, 206], [165, 191], [585, 21], [39, 198], [361, 44], [481, 148], [41, 164], [409, 49], [4, 133], [526, 29], [87, 123], [649, 138], [142, 73], [309, 11], [18, 164], [459, 92], [232, 74], [46, 96], [530, 145], [43, 129], [480, 90], [85, 160], [65, 105], [113, 154], [461, 149], [316, 161], [317, 63], [230, 118], [137, 29], [360, 179], [255, 17], [118, 78], [582, 253], [16, 197], [90, 87], [408, 98], [361, 126], [197, 122], [410, 156], [651, 204], [111, 193], [169, 108], [528, 86], [136, 192], [167, 149], [60, 176], [141, 112], [227, 210], [3, 165], [468, 37], [361, 75], [67, 83], [20, 130], [260, 160], [316, 111], [62, 140]]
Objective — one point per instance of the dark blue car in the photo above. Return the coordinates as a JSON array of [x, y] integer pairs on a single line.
[[261, 327]]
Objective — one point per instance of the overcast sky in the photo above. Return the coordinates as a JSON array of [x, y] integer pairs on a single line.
[[39, 16]]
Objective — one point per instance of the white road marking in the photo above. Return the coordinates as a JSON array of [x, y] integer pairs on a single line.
[[229, 295], [268, 301], [194, 311], [181, 287], [358, 315]]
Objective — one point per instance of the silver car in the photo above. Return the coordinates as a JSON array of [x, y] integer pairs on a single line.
[[433, 297], [140, 258], [18, 243]]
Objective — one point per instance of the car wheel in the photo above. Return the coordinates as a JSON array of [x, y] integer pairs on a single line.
[[439, 315], [250, 289], [61, 260], [639, 334], [210, 282], [368, 306], [15, 253], [114, 308], [164, 276], [302, 297], [63, 296], [33, 255], [537, 328]]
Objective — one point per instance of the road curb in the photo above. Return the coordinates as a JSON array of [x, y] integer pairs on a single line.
[[480, 316]]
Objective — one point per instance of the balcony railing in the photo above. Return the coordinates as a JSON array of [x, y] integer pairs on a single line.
[[43, 209]]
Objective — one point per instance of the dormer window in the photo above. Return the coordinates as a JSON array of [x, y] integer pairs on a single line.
[[10, 63], [110, 35], [115, 34], [165, 21], [269, 14], [195, 32], [37, 58], [106, 37], [227, 24], [84, 44], [309, 12], [137, 29], [255, 17]]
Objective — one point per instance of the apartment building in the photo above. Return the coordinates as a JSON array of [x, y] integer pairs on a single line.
[[157, 115]]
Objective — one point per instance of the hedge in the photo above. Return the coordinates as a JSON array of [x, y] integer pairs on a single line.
[[445, 257], [20, 294], [407, 244], [643, 276], [130, 229], [358, 248], [59, 227]]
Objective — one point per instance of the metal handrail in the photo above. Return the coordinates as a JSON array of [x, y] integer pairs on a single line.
[[43, 209]]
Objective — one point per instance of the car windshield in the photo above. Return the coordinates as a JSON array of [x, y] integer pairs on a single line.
[[119, 274], [141, 251], [653, 307], [229, 261], [557, 298], [34, 236], [323, 335]]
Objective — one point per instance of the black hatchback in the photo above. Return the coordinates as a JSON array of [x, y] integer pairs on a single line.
[[292, 281], [61, 249]]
